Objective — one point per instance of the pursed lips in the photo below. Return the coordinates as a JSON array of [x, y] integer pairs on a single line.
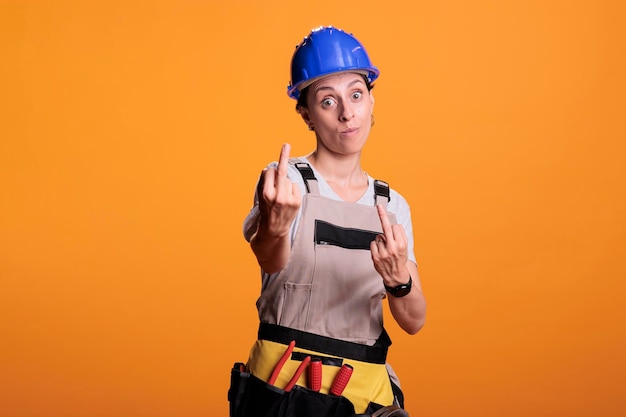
[[349, 130]]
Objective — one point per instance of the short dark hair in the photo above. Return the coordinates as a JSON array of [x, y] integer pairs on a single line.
[[302, 98]]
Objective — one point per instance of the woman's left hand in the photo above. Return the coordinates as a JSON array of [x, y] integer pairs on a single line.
[[390, 256], [390, 251]]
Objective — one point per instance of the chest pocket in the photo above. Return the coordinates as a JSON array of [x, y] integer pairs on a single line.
[[344, 237]]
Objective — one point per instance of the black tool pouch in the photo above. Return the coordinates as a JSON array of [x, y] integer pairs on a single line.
[[251, 397]]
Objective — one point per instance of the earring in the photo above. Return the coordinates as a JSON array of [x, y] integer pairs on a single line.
[[311, 128], [373, 120]]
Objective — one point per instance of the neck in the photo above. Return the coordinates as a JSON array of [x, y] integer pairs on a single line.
[[342, 172]]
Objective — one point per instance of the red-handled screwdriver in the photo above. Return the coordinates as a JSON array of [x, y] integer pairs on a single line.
[[297, 374], [341, 380], [315, 374], [281, 362]]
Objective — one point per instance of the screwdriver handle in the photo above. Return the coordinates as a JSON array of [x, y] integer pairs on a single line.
[[341, 380], [315, 374]]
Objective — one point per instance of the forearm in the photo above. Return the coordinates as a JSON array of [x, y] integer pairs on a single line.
[[271, 251], [410, 311]]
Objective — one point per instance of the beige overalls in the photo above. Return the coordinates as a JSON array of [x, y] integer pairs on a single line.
[[328, 299]]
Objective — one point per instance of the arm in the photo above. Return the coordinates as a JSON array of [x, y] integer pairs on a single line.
[[409, 311], [390, 257], [279, 202]]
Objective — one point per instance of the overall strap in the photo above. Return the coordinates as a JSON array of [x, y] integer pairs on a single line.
[[381, 191], [309, 177]]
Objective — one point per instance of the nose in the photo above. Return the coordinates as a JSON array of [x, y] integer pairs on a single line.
[[347, 112]]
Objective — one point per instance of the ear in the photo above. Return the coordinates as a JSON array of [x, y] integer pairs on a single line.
[[306, 116]]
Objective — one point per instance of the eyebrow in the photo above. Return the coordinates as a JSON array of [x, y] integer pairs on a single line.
[[325, 87]]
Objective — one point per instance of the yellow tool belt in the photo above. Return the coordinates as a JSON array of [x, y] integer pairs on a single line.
[[368, 388]]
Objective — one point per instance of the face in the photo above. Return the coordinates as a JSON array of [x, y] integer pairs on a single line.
[[340, 111]]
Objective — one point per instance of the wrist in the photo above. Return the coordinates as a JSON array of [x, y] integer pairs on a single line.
[[399, 278], [271, 232], [400, 290]]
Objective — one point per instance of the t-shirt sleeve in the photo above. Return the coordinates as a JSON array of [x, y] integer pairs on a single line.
[[251, 221]]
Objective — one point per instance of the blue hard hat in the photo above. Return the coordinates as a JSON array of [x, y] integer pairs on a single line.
[[325, 51]]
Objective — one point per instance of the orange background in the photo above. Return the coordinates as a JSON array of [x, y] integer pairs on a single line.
[[132, 134]]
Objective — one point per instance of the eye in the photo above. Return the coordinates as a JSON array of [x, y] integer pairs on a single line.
[[357, 95], [328, 102]]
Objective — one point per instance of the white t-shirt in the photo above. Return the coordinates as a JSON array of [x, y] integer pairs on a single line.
[[397, 204]]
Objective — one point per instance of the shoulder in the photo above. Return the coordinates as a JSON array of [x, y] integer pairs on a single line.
[[400, 207], [397, 199]]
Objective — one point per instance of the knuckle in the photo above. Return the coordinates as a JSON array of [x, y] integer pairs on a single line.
[[267, 195]]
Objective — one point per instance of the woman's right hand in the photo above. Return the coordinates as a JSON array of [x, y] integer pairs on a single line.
[[279, 198], [279, 202]]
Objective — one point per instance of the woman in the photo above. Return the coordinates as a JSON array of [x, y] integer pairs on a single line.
[[332, 243]]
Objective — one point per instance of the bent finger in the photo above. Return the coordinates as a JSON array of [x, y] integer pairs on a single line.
[[399, 233], [269, 187], [374, 250], [261, 183]]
